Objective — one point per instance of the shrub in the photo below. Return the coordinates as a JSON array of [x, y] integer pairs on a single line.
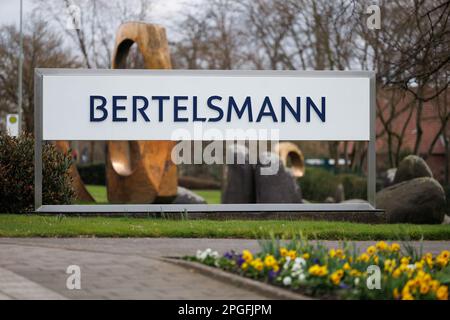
[[93, 173], [319, 183], [355, 187], [17, 175]]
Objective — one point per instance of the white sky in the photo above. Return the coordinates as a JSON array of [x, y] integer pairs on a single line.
[[10, 9]]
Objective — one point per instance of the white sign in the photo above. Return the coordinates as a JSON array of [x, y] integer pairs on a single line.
[[174, 105], [12, 124]]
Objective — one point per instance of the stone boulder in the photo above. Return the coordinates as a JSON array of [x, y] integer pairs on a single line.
[[185, 196], [420, 200], [275, 186], [238, 184], [412, 167], [330, 199], [388, 177], [339, 194]]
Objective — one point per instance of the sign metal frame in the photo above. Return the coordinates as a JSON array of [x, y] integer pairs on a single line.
[[250, 207]]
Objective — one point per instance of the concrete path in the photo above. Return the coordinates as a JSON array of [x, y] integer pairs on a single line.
[[120, 268]]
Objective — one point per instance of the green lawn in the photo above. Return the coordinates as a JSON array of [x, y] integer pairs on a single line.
[[99, 194], [75, 226]]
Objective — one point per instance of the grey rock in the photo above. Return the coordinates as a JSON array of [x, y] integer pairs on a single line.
[[412, 167], [238, 185], [339, 195], [420, 200], [275, 186], [389, 177], [185, 196], [446, 220], [330, 200]]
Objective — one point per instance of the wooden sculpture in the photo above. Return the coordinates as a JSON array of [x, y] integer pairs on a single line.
[[81, 192], [141, 171], [292, 157]]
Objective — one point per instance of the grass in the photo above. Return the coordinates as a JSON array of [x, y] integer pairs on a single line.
[[64, 226], [211, 196], [99, 194]]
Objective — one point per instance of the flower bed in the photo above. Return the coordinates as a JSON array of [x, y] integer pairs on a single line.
[[341, 273]]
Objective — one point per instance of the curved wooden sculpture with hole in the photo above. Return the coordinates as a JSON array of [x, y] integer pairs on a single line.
[[141, 171], [292, 157]]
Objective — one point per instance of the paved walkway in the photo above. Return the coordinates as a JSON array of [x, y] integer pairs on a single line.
[[119, 268]]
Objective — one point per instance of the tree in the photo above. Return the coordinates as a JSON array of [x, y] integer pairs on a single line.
[[210, 37], [410, 50], [93, 24], [42, 49]]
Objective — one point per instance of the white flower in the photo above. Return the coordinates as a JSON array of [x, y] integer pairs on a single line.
[[296, 272], [287, 281], [214, 254], [204, 255], [198, 255], [356, 281], [300, 261], [411, 266], [301, 277], [288, 259]]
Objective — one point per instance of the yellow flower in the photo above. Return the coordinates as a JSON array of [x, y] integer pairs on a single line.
[[428, 255], [397, 273], [317, 270], [306, 256], [403, 267], [407, 297], [405, 260], [313, 269], [355, 273], [376, 259], [275, 268], [332, 253], [292, 254], [283, 252], [382, 245], [270, 260], [338, 253], [405, 290], [323, 271], [346, 266], [389, 265], [371, 250], [244, 266], [424, 288], [434, 285], [336, 277], [363, 257], [445, 254], [441, 261], [257, 264], [395, 247], [442, 293], [247, 256], [419, 264]]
